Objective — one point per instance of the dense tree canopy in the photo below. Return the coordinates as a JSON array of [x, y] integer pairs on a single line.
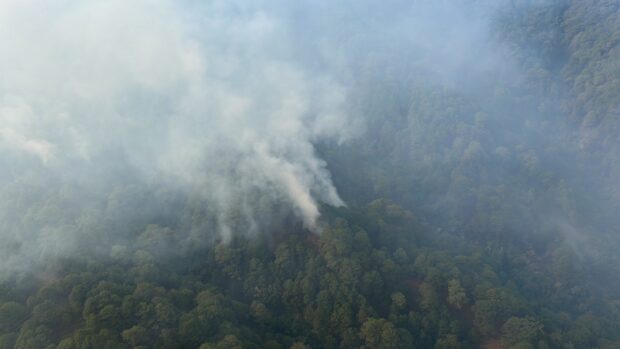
[[464, 227]]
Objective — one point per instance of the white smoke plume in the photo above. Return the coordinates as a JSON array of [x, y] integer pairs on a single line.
[[207, 96]]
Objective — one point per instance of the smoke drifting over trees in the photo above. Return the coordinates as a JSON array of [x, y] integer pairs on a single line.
[[309, 174], [209, 102], [226, 99]]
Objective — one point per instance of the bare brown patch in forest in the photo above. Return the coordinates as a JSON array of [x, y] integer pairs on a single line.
[[493, 343], [46, 278]]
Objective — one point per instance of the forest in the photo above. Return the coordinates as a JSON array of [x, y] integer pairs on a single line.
[[469, 199]]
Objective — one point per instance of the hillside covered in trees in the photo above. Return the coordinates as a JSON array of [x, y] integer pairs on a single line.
[[469, 199]]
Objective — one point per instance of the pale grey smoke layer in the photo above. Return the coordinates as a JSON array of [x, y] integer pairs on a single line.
[[211, 100], [221, 100]]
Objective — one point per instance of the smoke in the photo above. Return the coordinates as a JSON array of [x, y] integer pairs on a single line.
[[206, 97], [110, 109]]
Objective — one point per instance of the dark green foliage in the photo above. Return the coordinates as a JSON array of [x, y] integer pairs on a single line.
[[464, 227], [353, 286], [12, 315]]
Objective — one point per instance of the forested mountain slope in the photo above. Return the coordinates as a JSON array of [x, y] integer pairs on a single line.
[[482, 200]]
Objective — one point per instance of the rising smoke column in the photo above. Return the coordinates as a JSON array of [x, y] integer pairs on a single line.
[[207, 96]]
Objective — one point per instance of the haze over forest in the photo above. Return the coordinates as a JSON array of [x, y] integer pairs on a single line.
[[309, 174]]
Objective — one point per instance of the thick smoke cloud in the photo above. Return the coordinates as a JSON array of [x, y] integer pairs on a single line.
[[223, 101], [207, 97]]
